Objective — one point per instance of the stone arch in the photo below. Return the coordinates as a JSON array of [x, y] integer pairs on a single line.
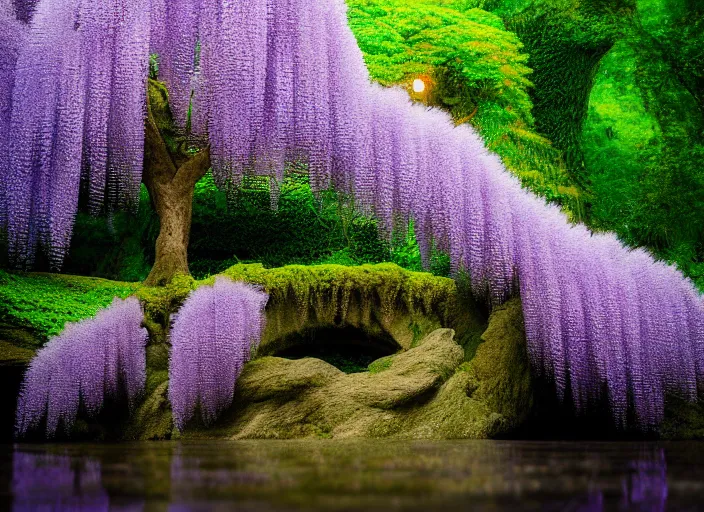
[[385, 302]]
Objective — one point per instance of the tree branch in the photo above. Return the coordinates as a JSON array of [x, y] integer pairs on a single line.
[[194, 169], [158, 164], [163, 166]]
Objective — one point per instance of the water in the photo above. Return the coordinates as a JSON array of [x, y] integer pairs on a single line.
[[354, 475]]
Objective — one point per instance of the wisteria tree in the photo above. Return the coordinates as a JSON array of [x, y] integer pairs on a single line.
[[252, 85]]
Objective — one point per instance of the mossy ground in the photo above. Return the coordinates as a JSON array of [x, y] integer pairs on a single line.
[[34, 307]]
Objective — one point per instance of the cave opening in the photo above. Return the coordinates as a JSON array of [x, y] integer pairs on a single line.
[[346, 348]]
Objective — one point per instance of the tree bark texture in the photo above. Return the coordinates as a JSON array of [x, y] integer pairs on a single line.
[[170, 178]]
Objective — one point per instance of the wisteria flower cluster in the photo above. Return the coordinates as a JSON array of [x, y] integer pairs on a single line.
[[12, 33], [213, 336], [293, 85], [268, 81], [99, 357], [77, 111]]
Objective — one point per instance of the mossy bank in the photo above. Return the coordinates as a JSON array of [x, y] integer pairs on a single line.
[[448, 367]]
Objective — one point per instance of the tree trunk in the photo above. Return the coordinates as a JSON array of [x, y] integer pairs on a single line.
[[173, 205], [170, 179]]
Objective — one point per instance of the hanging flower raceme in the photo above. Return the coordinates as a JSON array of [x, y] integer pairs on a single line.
[[212, 338], [268, 81], [99, 357], [78, 109], [12, 33]]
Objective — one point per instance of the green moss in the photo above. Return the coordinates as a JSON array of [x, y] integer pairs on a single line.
[[43, 303], [154, 379], [419, 291], [683, 419], [160, 302], [384, 300], [501, 365], [152, 419], [380, 364]]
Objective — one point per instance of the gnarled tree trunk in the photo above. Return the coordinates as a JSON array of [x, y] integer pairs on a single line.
[[170, 179]]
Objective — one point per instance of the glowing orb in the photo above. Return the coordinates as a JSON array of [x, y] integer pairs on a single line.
[[418, 85]]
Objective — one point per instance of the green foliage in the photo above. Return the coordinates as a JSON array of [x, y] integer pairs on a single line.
[[44, 303], [302, 230], [241, 227], [402, 40], [475, 69], [677, 28], [643, 158], [118, 246], [565, 42], [618, 89]]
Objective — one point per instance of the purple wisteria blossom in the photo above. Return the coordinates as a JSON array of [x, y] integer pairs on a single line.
[[212, 338], [12, 33], [78, 107], [99, 357], [266, 81]]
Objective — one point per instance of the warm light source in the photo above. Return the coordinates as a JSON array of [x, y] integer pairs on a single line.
[[418, 85]]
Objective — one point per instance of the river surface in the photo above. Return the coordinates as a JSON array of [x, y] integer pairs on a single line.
[[353, 475]]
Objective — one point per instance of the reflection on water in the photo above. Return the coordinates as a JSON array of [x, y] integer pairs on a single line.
[[647, 483], [60, 483], [361, 475]]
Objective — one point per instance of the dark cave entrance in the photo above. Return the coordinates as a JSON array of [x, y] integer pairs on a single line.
[[346, 348]]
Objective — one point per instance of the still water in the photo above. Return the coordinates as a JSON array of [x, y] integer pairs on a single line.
[[354, 475]]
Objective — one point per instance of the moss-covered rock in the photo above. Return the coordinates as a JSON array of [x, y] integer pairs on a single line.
[[383, 300], [427, 391], [683, 420], [476, 384], [152, 419], [501, 365]]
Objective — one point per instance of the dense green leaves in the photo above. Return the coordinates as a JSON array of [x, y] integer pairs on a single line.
[[474, 68], [643, 136]]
